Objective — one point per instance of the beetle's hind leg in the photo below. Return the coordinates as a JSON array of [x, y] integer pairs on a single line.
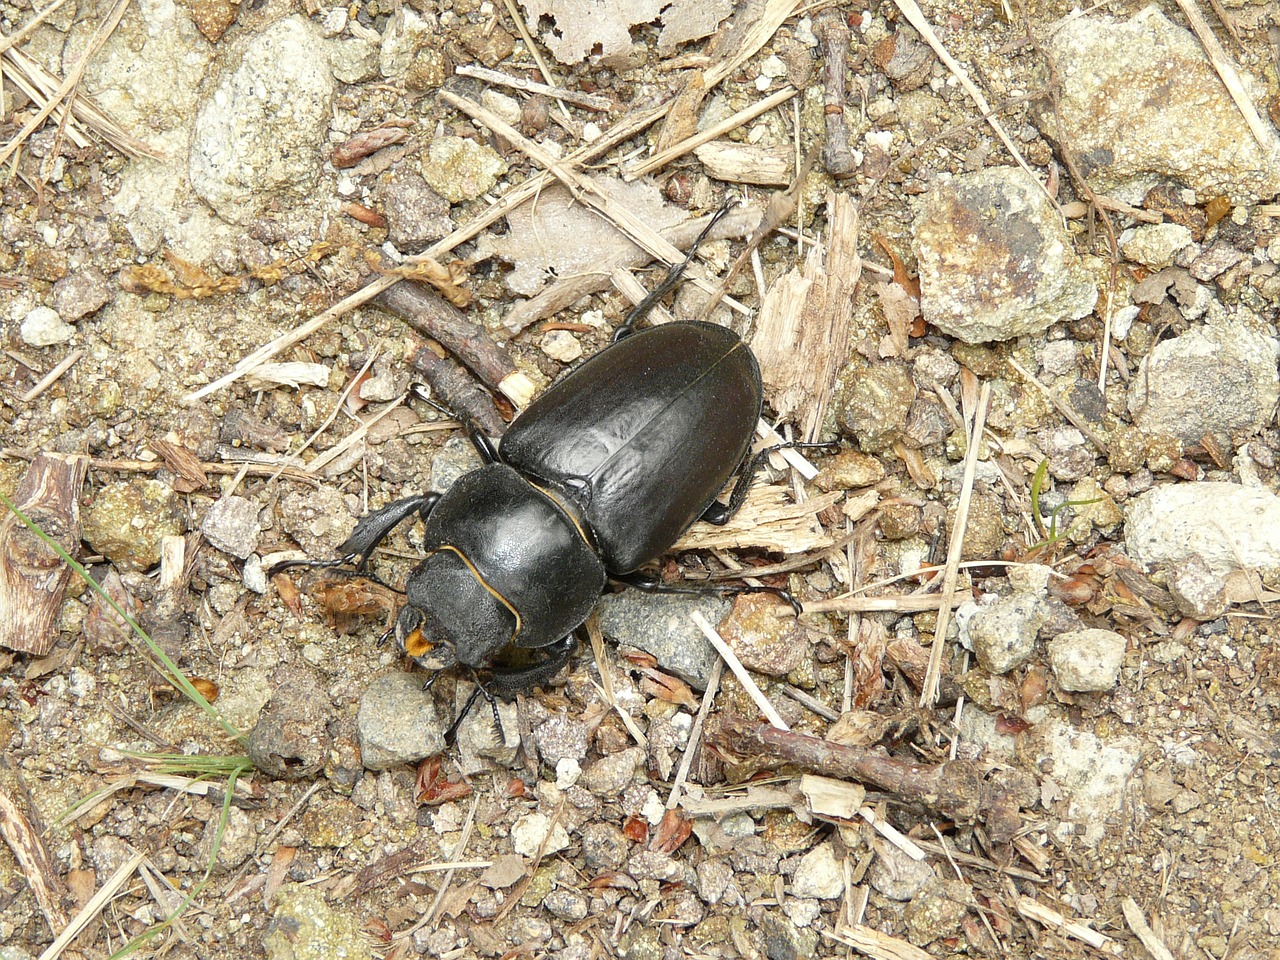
[[649, 583], [641, 309], [721, 513]]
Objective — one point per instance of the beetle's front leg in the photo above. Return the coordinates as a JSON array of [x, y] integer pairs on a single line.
[[369, 533], [649, 583]]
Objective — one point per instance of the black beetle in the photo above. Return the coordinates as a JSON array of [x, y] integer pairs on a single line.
[[599, 476]]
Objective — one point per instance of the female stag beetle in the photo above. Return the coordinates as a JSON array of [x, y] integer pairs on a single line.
[[599, 476]]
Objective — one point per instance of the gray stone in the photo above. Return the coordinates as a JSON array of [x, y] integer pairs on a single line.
[[604, 846], [610, 775], [1155, 245], [1220, 378], [937, 911], [819, 874], [530, 831], [995, 261], [1199, 592], [897, 875], [305, 925], [290, 740], [873, 402], [416, 214], [1002, 631], [398, 722], [660, 624], [1089, 772], [1087, 660], [80, 293], [712, 879], [258, 133], [317, 519], [126, 522], [561, 737], [237, 843], [232, 526], [1141, 104], [566, 905], [1224, 524], [651, 865], [460, 169], [43, 327]]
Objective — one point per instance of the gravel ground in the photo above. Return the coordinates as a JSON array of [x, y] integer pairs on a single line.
[[1111, 665]]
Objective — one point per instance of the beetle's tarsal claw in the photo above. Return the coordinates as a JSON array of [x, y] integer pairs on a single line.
[[451, 735]]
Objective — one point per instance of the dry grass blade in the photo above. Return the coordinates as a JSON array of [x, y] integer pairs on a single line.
[[1142, 930], [929, 694], [64, 96], [915, 16], [588, 100], [1046, 916], [739, 671], [695, 735], [659, 160], [1222, 63], [877, 945], [93, 907]]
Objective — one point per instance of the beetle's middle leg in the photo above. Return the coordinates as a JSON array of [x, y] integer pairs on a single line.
[[720, 513], [649, 583]]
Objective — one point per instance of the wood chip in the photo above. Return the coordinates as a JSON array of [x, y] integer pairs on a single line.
[[32, 576], [802, 333]]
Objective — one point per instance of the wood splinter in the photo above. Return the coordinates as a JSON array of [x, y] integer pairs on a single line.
[[32, 575], [960, 790]]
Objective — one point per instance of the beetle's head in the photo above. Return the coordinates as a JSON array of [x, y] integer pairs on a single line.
[[453, 616]]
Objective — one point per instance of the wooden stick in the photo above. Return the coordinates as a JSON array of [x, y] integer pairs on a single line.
[[831, 29], [32, 576], [34, 862], [959, 789]]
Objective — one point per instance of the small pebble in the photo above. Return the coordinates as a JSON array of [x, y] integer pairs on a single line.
[[42, 327], [562, 345], [1087, 660]]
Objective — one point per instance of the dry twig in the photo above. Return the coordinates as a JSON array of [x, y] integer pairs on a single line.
[[959, 789], [831, 29]]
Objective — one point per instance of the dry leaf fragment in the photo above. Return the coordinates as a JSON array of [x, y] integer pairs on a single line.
[[434, 788], [351, 152], [448, 279], [603, 27], [672, 832], [668, 688]]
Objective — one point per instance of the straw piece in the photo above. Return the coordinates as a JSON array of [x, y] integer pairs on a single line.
[[739, 671]]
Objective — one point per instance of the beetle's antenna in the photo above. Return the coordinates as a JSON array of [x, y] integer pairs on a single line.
[[641, 309]]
